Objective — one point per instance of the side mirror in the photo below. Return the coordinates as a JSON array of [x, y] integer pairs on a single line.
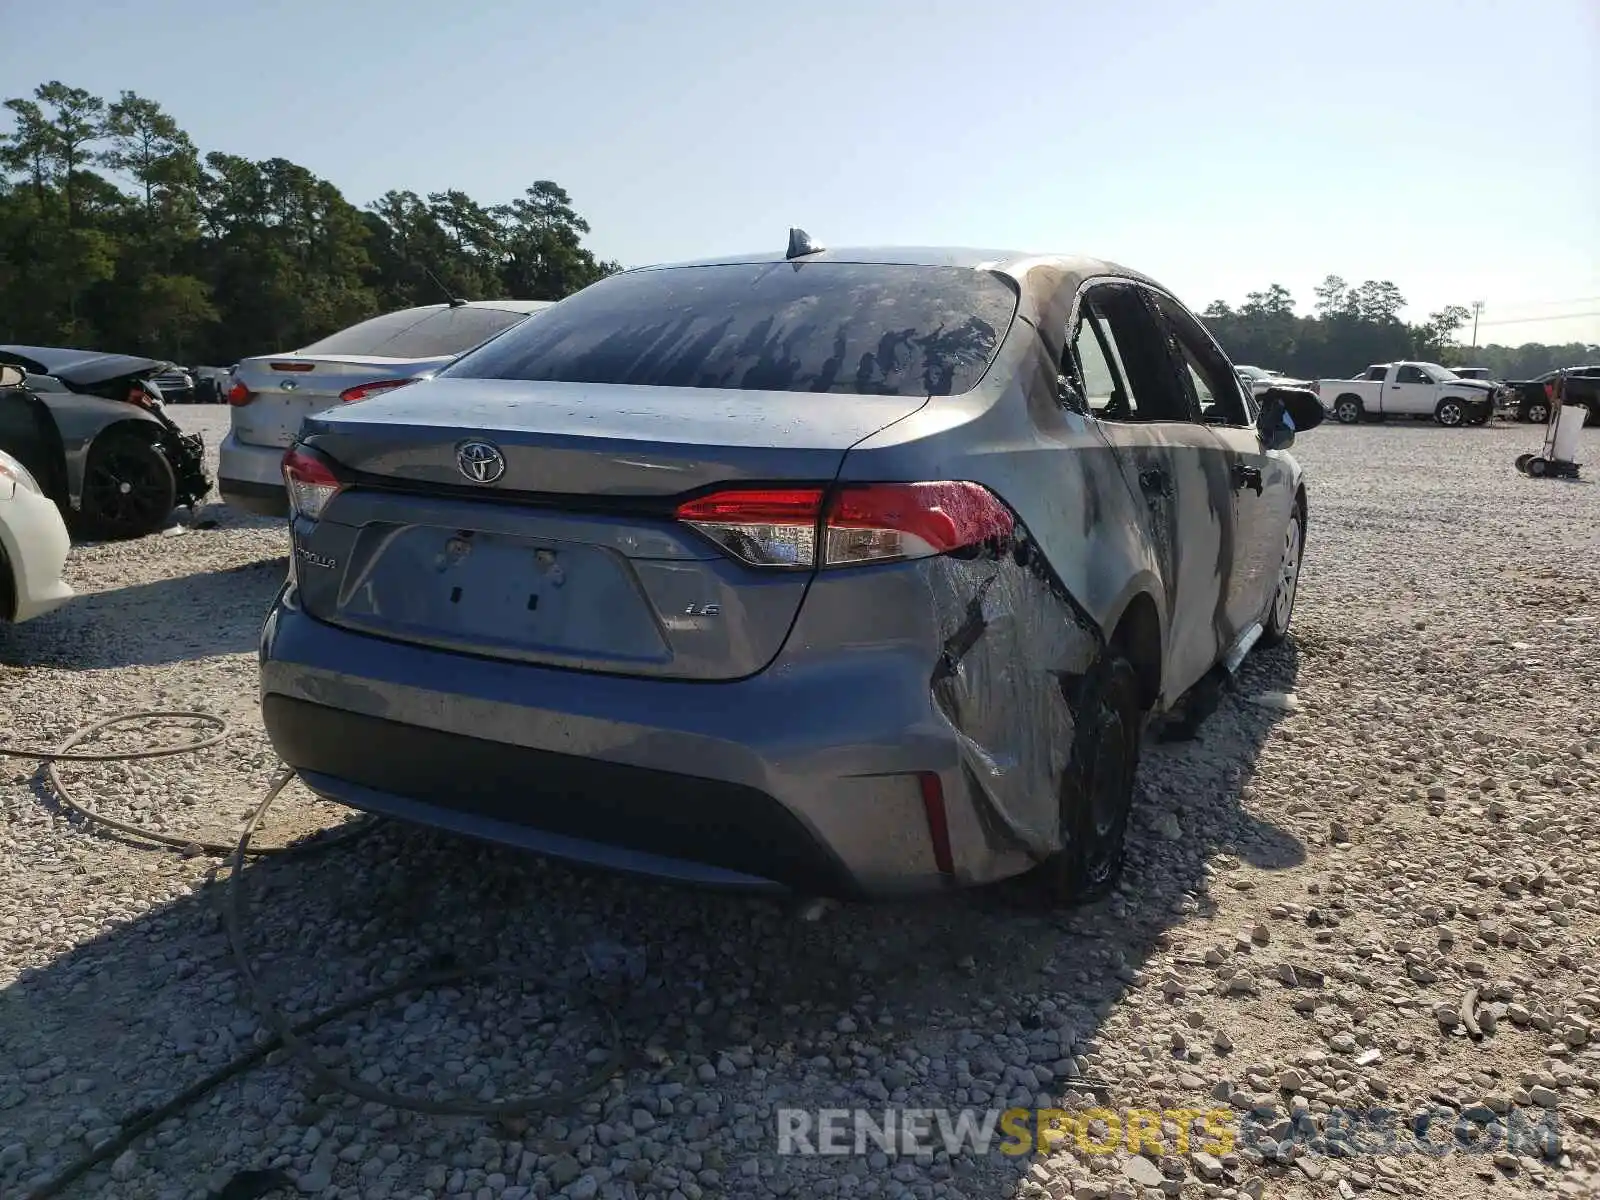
[[1286, 412], [12, 376]]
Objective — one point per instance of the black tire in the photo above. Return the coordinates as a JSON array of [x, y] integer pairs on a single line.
[[129, 488], [1522, 462], [1097, 787], [1348, 410], [1537, 467], [1276, 627], [1451, 413], [1535, 412]]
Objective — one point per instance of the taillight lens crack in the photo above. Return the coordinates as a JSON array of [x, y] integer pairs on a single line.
[[789, 528]]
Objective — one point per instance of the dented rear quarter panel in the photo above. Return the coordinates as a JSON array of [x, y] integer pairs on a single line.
[[1021, 630]]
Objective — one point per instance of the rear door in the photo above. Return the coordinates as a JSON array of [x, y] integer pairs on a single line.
[[1260, 479], [1172, 463]]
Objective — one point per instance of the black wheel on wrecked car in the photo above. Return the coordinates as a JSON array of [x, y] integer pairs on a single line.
[[1097, 788], [1348, 410], [1535, 412], [1450, 413], [128, 486]]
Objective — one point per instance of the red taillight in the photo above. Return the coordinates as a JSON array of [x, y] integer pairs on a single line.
[[864, 523], [238, 394], [912, 520], [310, 482], [362, 390]]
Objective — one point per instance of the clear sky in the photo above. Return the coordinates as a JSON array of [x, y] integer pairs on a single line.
[[1452, 146]]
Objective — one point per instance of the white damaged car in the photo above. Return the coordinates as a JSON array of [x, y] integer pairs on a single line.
[[33, 538]]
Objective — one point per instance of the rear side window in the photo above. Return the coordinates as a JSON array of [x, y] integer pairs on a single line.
[[419, 333], [853, 328]]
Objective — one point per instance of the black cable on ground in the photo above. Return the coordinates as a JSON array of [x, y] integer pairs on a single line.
[[284, 1035]]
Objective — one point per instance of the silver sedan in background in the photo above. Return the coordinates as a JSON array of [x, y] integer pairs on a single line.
[[272, 394]]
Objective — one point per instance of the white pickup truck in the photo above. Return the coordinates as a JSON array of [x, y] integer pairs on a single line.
[[1408, 389]]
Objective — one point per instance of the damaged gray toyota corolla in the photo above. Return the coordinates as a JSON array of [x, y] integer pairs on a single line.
[[851, 572]]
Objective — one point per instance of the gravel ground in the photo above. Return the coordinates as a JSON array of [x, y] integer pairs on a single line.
[[1391, 818]]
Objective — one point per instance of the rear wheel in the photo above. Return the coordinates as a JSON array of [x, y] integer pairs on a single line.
[[1348, 410], [1536, 411], [128, 488], [1097, 788]]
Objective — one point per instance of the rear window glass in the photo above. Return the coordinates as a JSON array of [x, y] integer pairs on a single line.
[[862, 329], [418, 333]]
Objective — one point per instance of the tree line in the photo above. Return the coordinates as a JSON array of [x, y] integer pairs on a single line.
[[118, 234], [1353, 326]]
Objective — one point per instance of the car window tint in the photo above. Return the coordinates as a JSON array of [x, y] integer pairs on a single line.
[[1377, 374], [1214, 384], [419, 333], [851, 328], [1410, 374]]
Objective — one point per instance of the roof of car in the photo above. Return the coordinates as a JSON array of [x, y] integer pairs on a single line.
[[1010, 262], [520, 306]]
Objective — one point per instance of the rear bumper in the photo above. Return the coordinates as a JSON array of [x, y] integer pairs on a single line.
[[806, 780], [250, 478]]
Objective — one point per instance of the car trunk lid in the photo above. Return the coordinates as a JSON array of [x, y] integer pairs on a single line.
[[572, 557], [286, 388]]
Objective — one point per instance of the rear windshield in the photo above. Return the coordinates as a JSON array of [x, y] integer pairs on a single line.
[[418, 333], [859, 329]]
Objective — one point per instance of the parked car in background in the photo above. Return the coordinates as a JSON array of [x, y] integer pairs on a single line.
[[848, 572], [271, 395], [176, 385], [211, 384], [1531, 397], [33, 537], [91, 430], [1481, 373], [1409, 389], [1260, 380]]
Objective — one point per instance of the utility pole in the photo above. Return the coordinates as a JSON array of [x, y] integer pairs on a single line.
[[1477, 309]]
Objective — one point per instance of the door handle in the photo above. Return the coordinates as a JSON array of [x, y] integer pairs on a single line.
[[1247, 477]]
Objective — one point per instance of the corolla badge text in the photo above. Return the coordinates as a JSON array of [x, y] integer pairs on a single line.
[[315, 560]]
